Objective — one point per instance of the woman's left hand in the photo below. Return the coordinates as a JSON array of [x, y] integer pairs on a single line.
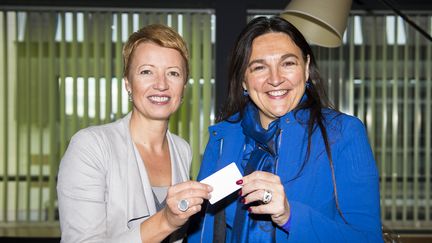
[[256, 188]]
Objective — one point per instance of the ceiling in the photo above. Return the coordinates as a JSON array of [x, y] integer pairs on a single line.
[[368, 5]]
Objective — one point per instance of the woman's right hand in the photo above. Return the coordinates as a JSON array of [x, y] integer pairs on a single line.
[[193, 192]]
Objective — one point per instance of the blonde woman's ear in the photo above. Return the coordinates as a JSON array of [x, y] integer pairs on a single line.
[[128, 89]]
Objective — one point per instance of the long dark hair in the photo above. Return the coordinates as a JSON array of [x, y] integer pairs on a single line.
[[317, 97]]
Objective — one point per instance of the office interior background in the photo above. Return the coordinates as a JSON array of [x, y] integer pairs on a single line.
[[61, 70]]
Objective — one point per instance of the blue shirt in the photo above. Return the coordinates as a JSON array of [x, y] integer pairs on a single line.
[[309, 190]]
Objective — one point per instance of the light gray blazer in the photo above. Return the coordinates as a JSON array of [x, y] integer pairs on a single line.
[[101, 195]]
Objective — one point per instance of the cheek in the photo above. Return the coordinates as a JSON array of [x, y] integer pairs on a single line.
[[253, 83], [297, 78]]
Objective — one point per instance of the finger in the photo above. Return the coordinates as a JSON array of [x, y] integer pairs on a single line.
[[175, 214], [261, 175], [191, 193], [256, 185], [255, 196], [190, 185]]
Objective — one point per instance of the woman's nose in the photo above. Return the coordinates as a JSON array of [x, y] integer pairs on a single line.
[[275, 78], [161, 83]]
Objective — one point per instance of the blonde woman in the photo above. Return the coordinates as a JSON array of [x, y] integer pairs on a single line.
[[127, 181]]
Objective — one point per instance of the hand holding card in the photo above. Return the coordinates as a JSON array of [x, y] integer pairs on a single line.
[[223, 182]]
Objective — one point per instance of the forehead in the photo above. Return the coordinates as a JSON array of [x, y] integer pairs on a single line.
[[273, 43], [152, 52]]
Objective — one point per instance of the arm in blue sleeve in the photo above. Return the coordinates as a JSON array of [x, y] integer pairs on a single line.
[[358, 196]]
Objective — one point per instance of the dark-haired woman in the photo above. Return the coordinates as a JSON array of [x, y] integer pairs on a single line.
[[309, 172]]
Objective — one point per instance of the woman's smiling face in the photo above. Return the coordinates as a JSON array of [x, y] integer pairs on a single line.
[[276, 75], [156, 80]]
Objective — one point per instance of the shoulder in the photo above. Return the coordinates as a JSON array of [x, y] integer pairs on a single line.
[[342, 122], [98, 141], [225, 128], [110, 131]]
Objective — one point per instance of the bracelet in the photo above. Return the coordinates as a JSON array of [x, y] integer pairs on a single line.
[[287, 226]]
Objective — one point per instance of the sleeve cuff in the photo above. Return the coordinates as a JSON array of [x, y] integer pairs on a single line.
[[287, 226]]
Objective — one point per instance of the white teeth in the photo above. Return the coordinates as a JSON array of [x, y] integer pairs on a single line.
[[277, 92], [159, 98]]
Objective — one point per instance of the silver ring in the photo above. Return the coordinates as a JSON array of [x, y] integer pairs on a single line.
[[183, 205], [267, 197]]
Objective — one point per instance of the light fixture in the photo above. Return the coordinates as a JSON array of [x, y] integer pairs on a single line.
[[322, 22]]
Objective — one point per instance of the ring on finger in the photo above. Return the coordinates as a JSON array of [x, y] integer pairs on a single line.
[[267, 197], [183, 205]]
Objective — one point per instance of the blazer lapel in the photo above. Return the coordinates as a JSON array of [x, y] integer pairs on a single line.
[[179, 167], [140, 202]]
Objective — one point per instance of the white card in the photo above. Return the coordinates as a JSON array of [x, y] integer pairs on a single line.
[[223, 182]]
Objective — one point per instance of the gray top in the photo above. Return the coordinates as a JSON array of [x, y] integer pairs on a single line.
[[159, 194]]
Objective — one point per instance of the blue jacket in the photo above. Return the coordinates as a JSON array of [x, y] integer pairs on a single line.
[[310, 194]]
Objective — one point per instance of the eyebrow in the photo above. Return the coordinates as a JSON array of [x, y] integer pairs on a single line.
[[261, 61], [145, 65], [152, 65]]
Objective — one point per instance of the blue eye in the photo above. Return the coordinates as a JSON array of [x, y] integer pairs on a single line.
[[145, 72], [174, 74]]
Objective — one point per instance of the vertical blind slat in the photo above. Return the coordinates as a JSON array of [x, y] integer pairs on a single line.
[[130, 31], [428, 124], [362, 101], [196, 92], [108, 61], [74, 72], [184, 109], [40, 94], [384, 118], [62, 71], [29, 114], [174, 119], [118, 65], [395, 126], [5, 115], [52, 107], [417, 126], [405, 145], [18, 113], [85, 62], [372, 110], [350, 98], [96, 63]]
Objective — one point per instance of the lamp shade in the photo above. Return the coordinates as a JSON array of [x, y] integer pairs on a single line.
[[322, 22]]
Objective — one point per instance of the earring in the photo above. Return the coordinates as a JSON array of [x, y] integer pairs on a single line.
[[130, 95], [308, 84], [181, 100], [245, 92]]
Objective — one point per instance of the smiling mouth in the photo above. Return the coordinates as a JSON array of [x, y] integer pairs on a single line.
[[277, 93], [159, 99]]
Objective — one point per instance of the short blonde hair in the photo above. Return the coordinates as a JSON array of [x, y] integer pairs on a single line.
[[158, 34]]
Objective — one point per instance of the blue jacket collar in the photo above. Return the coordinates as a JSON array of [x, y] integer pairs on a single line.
[[295, 116]]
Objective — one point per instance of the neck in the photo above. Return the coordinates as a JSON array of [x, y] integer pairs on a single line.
[[148, 133]]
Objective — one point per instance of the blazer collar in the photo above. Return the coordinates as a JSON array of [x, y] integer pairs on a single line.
[[140, 201]]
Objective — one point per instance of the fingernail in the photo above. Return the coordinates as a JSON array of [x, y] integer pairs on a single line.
[[240, 192], [239, 182], [249, 210], [243, 200]]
